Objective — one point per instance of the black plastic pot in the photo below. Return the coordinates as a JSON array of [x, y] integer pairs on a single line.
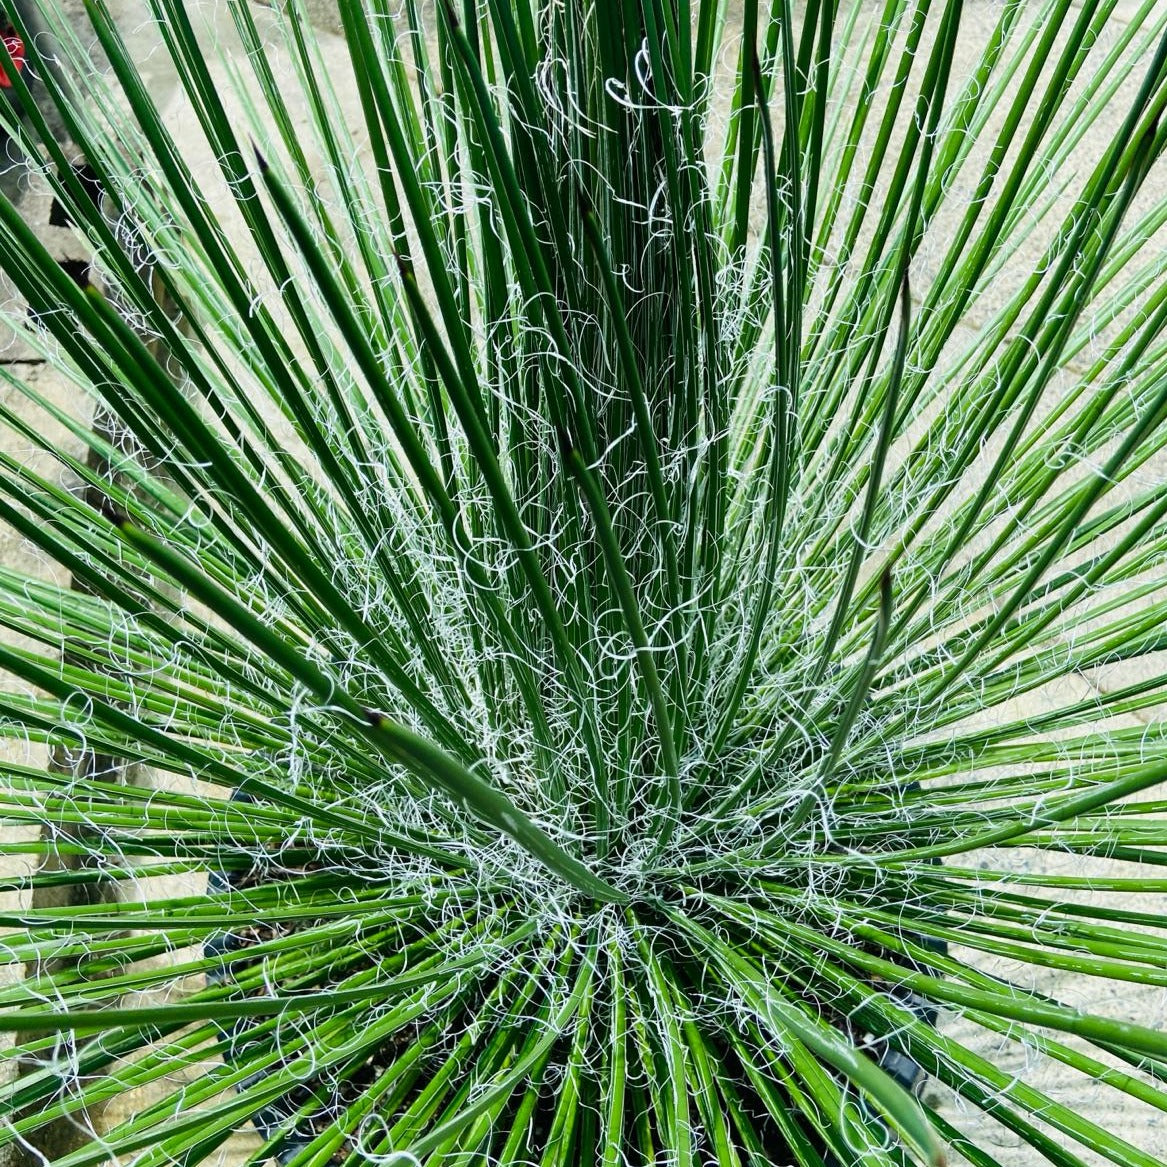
[[267, 1120]]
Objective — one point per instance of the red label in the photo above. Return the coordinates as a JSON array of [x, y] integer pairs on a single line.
[[15, 47]]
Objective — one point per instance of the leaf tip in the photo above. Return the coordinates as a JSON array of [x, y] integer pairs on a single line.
[[756, 71], [587, 210]]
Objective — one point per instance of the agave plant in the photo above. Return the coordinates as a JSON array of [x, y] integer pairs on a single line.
[[599, 592]]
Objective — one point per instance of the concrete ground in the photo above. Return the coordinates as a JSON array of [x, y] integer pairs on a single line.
[[1143, 1126]]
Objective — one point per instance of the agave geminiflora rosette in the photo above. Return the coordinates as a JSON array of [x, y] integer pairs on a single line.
[[607, 564]]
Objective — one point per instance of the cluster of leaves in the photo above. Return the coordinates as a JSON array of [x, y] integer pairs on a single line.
[[570, 565]]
